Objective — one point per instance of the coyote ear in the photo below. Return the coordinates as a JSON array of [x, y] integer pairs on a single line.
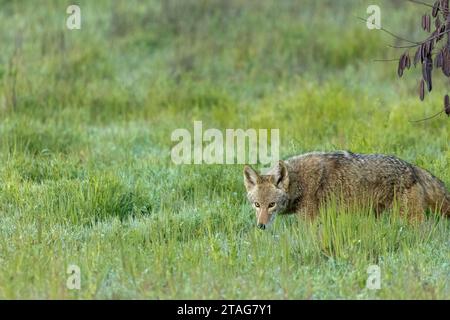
[[251, 177], [281, 176]]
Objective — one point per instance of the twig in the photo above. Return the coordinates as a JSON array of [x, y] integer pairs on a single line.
[[426, 4], [390, 33], [420, 43], [385, 60], [420, 2], [425, 119]]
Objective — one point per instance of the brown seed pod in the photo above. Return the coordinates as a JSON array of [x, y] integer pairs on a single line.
[[422, 90], [447, 105], [427, 67], [444, 8], [428, 23], [418, 56], [427, 47], [435, 10], [430, 46], [404, 58], [446, 68], [446, 62], [401, 65], [424, 22], [407, 61], [423, 54], [438, 60], [437, 23]]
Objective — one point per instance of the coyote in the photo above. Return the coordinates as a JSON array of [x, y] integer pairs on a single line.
[[303, 183]]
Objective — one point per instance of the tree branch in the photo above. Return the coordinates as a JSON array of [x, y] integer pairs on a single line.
[[426, 4], [425, 119], [420, 43], [390, 33]]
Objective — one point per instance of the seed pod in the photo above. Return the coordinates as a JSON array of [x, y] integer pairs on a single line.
[[428, 70], [435, 10], [423, 53], [426, 49], [427, 66], [407, 61], [446, 62], [428, 23], [446, 67], [447, 105], [437, 23], [401, 65], [430, 44], [444, 8], [404, 60], [418, 56], [424, 22], [438, 60], [422, 90]]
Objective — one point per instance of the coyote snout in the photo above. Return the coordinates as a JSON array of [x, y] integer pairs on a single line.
[[264, 215], [264, 218]]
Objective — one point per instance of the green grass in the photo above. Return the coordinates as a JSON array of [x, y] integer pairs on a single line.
[[86, 176]]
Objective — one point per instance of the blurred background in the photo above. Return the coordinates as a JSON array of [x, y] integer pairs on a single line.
[[228, 63]]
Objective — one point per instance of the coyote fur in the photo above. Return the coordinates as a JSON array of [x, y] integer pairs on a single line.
[[303, 183]]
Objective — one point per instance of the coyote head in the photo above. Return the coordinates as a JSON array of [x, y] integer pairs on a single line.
[[268, 194]]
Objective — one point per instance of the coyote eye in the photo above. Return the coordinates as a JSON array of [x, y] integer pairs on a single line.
[[272, 204], [257, 204]]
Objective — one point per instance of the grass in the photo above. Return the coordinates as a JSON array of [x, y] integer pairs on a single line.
[[86, 176]]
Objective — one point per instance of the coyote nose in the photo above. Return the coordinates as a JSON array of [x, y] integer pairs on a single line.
[[261, 226]]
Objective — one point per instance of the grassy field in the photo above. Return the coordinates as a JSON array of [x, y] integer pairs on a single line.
[[86, 176]]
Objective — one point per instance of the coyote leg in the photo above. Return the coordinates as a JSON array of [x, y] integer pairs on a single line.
[[309, 212], [413, 203]]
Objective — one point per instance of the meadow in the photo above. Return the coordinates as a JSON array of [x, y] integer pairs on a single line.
[[86, 176]]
